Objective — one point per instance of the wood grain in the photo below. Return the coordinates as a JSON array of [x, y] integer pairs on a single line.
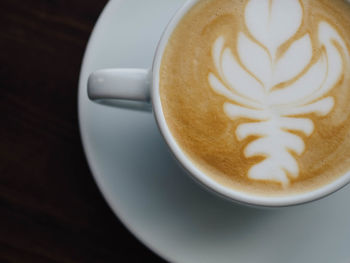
[[50, 207]]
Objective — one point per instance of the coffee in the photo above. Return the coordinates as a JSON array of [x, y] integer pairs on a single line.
[[256, 92]]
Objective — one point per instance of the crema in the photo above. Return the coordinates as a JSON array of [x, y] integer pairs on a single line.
[[256, 92]]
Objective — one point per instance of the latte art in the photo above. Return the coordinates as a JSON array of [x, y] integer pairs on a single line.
[[256, 92], [277, 91]]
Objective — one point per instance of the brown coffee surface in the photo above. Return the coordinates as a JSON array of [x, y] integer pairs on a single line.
[[195, 114]]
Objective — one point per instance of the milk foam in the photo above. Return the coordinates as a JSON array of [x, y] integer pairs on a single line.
[[277, 91]]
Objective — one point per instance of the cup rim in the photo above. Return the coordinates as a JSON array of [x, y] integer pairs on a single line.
[[199, 176]]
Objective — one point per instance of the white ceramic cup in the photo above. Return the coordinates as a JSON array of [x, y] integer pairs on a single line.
[[139, 89]]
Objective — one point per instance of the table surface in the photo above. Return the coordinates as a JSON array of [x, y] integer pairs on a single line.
[[50, 208]]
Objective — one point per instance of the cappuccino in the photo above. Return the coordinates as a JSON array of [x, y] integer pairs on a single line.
[[256, 92]]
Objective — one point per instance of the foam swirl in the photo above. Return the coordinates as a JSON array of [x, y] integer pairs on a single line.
[[277, 91]]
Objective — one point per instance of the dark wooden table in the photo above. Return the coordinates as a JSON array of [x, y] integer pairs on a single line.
[[50, 207]]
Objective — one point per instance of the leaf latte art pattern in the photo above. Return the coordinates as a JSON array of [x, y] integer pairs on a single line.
[[277, 90]]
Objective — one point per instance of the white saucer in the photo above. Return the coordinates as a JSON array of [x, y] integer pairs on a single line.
[[161, 205]]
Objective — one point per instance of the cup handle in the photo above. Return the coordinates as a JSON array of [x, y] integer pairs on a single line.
[[123, 88]]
